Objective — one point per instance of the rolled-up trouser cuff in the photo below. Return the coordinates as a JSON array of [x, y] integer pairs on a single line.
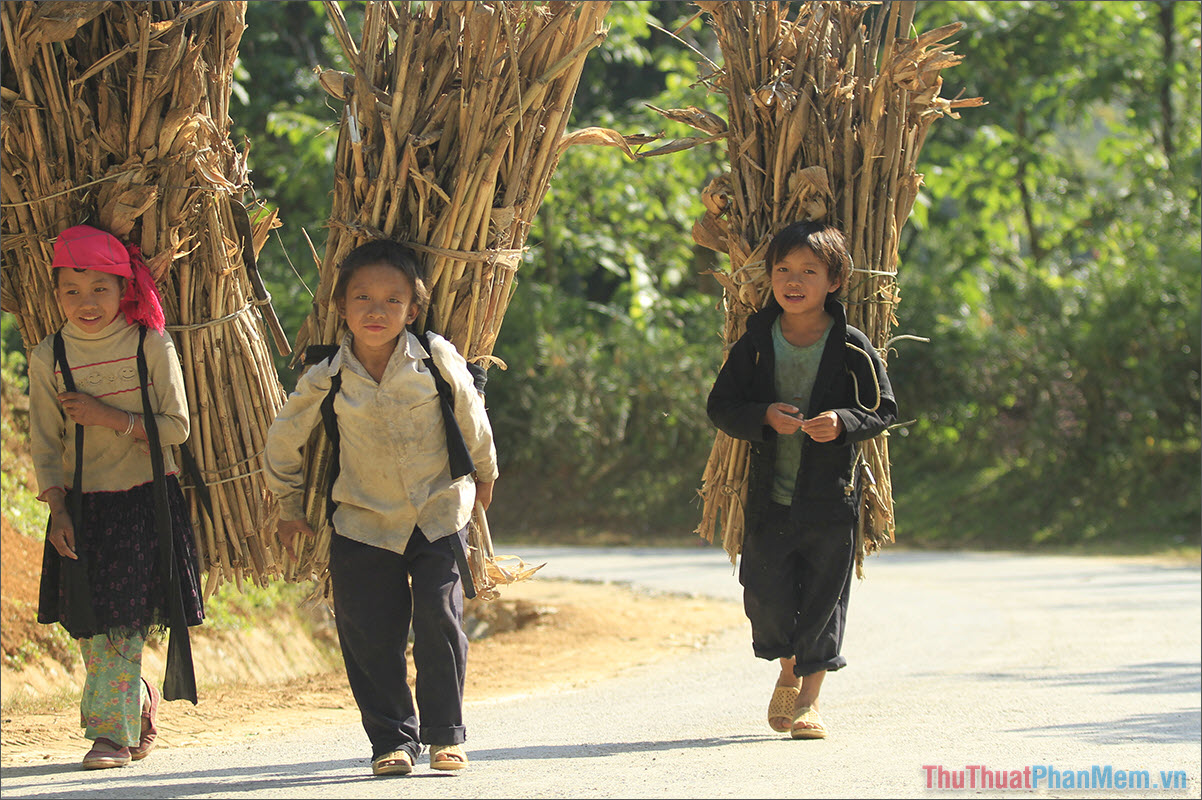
[[771, 654], [810, 667], [454, 734]]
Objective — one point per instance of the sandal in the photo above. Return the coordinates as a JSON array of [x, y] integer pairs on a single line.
[[447, 756], [106, 753], [780, 710], [398, 762], [149, 732], [807, 724]]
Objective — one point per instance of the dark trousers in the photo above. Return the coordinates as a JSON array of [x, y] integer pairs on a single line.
[[373, 607], [796, 581]]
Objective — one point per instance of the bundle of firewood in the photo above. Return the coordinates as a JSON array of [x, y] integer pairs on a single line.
[[828, 106], [451, 131], [117, 115]]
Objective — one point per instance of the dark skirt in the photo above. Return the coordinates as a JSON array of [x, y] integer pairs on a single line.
[[119, 544]]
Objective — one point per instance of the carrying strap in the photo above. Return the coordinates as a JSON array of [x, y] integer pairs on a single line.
[[76, 586], [75, 498], [179, 680], [460, 458], [192, 470]]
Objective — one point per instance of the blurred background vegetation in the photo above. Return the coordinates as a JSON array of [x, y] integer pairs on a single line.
[[1052, 261]]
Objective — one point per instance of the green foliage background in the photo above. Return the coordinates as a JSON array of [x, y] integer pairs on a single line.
[[1052, 260]]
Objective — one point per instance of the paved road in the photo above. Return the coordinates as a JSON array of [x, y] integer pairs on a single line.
[[962, 662]]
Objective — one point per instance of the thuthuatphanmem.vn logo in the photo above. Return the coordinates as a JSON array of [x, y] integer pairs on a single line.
[[1046, 776]]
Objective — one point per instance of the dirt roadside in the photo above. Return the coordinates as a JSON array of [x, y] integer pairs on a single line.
[[578, 634]]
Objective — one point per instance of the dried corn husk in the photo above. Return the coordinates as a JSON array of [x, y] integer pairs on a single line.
[[827, 110], [118, 114], [450, 134]]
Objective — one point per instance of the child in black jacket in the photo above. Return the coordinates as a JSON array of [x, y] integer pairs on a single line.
[[802, 386]]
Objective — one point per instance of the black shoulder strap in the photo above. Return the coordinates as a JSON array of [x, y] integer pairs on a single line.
[[74, 584], [330, 421], [461, 459], [316, 353], [76, 499], [179, 679]]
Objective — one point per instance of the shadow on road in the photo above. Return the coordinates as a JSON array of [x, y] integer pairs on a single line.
[[601, 750], [126, 782], [343, 773], [1166, 727], [1164, 677]]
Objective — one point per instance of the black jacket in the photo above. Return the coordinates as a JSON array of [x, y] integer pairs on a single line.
[[847, 382]]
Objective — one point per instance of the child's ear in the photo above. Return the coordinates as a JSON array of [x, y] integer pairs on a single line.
[[341, 304], [412, 315]]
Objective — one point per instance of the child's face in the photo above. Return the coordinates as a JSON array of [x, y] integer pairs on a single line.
[[801, 281], [91, 299], [378, 305]]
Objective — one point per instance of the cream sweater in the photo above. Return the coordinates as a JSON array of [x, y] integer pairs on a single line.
[[104, 365]]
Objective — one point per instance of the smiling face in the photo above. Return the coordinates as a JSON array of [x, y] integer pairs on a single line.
[[89, 298], [377, 306], [801, 281]]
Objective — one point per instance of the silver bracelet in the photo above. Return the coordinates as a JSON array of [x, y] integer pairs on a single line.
[[130, 427]]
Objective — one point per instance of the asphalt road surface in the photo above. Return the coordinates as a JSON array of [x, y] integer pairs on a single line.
[[964, 669]]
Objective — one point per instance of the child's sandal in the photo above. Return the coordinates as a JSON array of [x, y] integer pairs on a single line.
[[398, 762], [780, 710], [807, 724], [447, 756]]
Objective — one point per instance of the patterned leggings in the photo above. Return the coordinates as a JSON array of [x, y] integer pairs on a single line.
[[113, 692]]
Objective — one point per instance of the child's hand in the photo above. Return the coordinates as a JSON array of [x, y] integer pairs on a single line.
[[484, 493], [62, 534], [288, 530], [783, 418], [825, 427], [83, 409]]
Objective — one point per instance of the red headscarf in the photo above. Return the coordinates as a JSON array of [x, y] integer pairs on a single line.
[[85, 247]]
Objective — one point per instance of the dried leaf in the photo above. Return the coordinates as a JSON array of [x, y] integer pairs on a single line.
[[605, 137], [692, 116]]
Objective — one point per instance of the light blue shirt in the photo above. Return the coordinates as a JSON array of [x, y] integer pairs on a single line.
[[796, 369]]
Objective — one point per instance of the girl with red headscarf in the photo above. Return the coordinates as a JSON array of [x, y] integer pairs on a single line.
[[106, 575]]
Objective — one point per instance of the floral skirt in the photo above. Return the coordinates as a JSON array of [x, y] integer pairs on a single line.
[[119, 542]]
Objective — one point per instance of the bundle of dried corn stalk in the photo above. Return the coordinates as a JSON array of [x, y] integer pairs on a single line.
[[117, 114], [451, 132], [828, 110]]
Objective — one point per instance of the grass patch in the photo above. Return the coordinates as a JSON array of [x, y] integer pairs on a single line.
[[52, 702], [1063, 508], [229, 609]]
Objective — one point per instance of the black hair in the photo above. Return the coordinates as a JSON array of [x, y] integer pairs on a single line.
[[121, 279], [383, 251], [825, 239]]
